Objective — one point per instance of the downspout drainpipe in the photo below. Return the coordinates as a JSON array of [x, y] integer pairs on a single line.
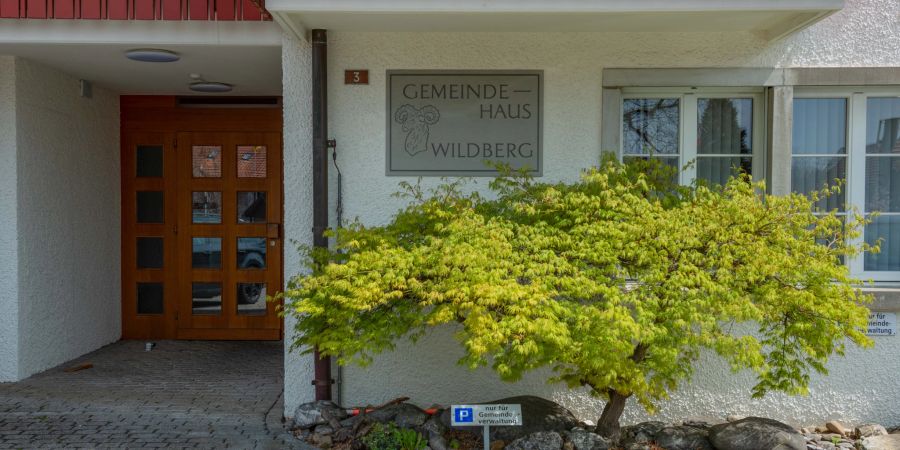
[[323, 380]]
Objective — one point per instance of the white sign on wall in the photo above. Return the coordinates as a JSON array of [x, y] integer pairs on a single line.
[[882, 324], [486, 415]]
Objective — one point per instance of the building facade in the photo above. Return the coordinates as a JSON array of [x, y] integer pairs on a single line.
[[796, 92]]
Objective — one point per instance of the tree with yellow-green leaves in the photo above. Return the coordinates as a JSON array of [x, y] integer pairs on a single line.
[[617, 282]]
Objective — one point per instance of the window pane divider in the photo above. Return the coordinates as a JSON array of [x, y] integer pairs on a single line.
[[856, 166], [688, 126]]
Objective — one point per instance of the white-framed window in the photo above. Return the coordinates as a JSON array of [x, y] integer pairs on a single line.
[[722, 131], [853, 134]]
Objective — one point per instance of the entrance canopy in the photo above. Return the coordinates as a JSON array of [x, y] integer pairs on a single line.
[[769, 19], [245, 54]]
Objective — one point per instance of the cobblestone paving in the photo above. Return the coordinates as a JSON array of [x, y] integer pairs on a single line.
[[182, 394]]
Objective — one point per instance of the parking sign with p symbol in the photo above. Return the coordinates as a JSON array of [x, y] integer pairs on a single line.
[[463, 415]]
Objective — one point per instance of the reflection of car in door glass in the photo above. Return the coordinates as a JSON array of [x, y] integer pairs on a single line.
[[249, 293], [251, 207], [252, 253], [206, 290], [207, 253]]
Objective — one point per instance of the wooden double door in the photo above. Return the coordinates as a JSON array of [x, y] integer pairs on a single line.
[[202, 237]]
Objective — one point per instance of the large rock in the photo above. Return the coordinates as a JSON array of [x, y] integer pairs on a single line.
[[404, 414], [885, 442], [585, 440], [640, 433], [310, 414], [640, 446], [543, 440], [868, 430], [683, 438], [404, 411], [703, 422], [409, 416], [434, 429], [756, 433], [538, 414], [836, 427]]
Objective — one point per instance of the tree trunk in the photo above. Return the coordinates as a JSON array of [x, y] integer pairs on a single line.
[[608, 424]]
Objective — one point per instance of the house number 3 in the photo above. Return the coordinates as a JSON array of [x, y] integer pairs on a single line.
[[356, 77]]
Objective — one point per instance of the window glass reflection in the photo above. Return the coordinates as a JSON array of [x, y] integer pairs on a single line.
[[206, 298], [251, 162], [820, 126], [251, 298], [206, 161], [207, 253], [251, 253], [651, 126], [724, 126], [883, 125], [206, 207], [251, 207]]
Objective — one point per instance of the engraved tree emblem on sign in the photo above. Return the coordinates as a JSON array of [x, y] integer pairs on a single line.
[[415, 123]]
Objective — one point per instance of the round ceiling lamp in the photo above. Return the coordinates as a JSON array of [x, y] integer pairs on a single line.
[[210, 86], [152, 55]]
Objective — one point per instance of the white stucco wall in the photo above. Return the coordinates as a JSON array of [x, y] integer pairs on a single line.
[[866, 33], [69, 276], [297, 87], [9, 292]]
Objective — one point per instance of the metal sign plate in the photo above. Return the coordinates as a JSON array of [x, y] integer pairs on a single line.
[[882, 324], [458, 122], [486, 415]]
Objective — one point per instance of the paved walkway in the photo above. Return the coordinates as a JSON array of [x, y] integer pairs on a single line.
[[183, 394]]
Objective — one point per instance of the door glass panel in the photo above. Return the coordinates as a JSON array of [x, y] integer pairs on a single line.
[[251, 253], [150, 207], [206, 207], [251, 161], [149, 298], [149, 252], [251, 207], [207, 253], [206, 161], [149, 161], [251, 298], [206, 298]]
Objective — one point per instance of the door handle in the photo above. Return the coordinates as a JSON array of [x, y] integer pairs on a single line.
[[273, 231]]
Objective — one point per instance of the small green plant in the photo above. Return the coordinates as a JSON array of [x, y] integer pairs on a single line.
[[410, 439], [454, 444], [835, 440], [389, 437], [381, 437]]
